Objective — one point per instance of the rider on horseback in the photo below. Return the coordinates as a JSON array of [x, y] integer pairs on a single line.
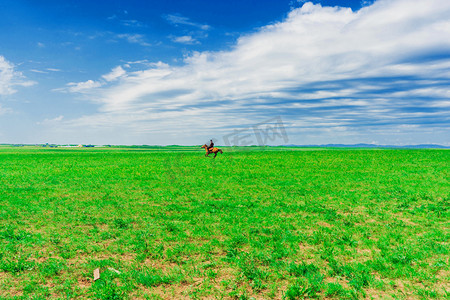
[[211, 146], [211, 149]]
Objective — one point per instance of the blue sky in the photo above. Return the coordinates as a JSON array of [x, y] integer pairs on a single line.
[[182, 72]]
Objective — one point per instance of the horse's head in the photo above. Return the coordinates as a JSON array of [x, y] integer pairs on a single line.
[[204, 146]]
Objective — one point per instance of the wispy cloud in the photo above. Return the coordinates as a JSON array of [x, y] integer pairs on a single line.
[[51, 121], [38, 71], [45, 71], [132, 23], [327, 71], [367, 2], [185, 39], [10, 78], [90, 87], [4, 110], [115, 73], [80, 87], [181, 20], [122, 18], [134, 39], [191, 32]]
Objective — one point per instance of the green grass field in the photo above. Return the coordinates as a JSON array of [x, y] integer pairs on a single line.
[[251, 224]]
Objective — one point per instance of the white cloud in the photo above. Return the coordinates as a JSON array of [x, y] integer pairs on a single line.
[[134, 39], [91, 86], [46, 71], [79, 87], [132, 23], [363, 2], [317, 58], [51, 121], [10, 78], [180, 20], [38, 71], [185, 39], [115, 73], [4, 110]]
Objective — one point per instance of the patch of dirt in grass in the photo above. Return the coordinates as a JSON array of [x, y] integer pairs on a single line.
[[161, 265], [364, 255], [13, 283], [305, 247], [224, 274], [41, 259], [399, 286], [367, 252], [325, 224], [371, 221], [128, 257], [3, 275], [83, 258], [408, 222], [340, 280], [444, 280], [49, 284], [377, 294], [101, 226], [171, 292], [84, 283], [12, 293]]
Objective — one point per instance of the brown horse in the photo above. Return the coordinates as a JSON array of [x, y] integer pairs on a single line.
[[214, 150]]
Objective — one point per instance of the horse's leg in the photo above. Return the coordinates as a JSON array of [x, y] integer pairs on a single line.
[[215, 154]]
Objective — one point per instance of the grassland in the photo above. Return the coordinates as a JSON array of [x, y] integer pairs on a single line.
[[281, 224]]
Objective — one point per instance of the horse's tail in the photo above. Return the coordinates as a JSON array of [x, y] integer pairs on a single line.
[[220, 151]]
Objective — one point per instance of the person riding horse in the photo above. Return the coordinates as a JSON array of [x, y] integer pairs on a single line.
[[211, 146], [211, 149]]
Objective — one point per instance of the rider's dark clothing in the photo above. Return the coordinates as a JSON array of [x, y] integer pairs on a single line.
[[211, 145]]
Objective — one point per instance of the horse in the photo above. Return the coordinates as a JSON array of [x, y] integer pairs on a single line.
[[214, 150]]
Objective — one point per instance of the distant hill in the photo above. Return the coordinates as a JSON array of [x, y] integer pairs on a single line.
[[420, 146], [179, 147]]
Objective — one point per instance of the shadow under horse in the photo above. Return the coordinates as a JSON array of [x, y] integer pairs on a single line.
[[214, 150]]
